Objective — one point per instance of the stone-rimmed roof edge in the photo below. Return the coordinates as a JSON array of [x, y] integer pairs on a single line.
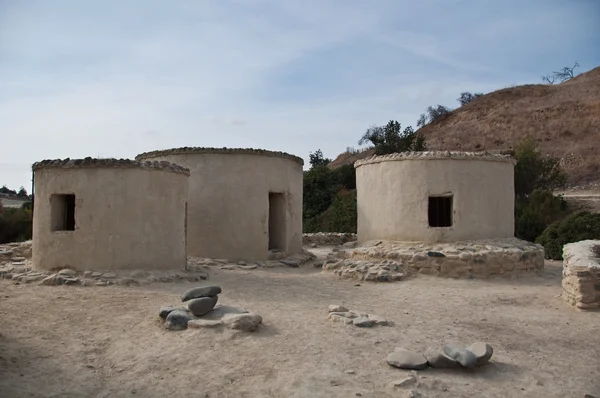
[[224, 151], [427, 155], [89, 163]]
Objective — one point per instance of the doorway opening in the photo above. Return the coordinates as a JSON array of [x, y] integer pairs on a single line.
[[440, 211], [62, 212], [277, 221]]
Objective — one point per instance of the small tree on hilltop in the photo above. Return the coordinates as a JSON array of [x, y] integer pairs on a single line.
[[563, 75], [390, 139], [432, 114], [467, 97]]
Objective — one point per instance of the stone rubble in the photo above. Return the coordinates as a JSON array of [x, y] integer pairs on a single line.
[[327, 239], [475, 355], [202, 312], [277, 259], [387, 261], [337, 313], [24, 274], [581, 274]]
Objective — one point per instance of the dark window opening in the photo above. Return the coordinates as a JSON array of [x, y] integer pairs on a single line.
[[63, 212], [277, 221], [440, 211]]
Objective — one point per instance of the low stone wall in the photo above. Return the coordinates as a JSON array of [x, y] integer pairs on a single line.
[[581, 274], [15, 252], [389, 261], [327, 238]]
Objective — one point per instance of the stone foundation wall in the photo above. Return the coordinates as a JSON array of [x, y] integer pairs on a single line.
[[327, 238], [388, 261], [581, 274], [15, 252]]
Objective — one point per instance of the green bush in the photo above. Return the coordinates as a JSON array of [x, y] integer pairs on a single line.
[[576, 227], [15, 224], [339, 217], [536, 211]]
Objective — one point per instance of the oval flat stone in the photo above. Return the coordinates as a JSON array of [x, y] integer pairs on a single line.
[[405, 359], [482, 351], [203, 291], [438, 359], [203, 305], [221, 310], [166, 310], [465, 357], [363, 322], [204, 323]]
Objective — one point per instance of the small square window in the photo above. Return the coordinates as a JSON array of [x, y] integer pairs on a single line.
[[440, 211], [62, 212]]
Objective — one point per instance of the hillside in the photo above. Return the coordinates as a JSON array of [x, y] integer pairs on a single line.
[[564, 118]]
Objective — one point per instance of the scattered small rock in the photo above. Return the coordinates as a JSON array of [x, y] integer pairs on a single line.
[[405, 382], [49, 280], [96, 274], [405, 359], [252, 266], [337, 308], [333, 317], [67, 272], [109, 275], [363, 322], [198, 292], [87, 274], [381, 321], [203, 305], [351, 372], [465, 357], [241, 263], [290, 263], [165, 311], [248, 322], [177, 320]]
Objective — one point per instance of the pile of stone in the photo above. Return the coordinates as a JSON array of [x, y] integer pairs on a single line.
[[581, 274], [366, 270], [477, 354], [327, 239], [337, 313], [202, 312], [20, 272], [16, 252]]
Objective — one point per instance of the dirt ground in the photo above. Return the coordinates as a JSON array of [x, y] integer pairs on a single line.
[[68, 341]]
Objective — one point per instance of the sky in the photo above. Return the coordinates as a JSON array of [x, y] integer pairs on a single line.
[[116, 78]]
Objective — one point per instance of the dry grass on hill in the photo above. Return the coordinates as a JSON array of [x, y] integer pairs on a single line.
[[564, 118]]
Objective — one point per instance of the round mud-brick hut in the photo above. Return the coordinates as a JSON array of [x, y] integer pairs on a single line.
[[435, 196], [109, 214], [242, 203]]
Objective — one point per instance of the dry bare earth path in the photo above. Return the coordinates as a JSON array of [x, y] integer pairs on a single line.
[[106, 341], [584, 200]]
